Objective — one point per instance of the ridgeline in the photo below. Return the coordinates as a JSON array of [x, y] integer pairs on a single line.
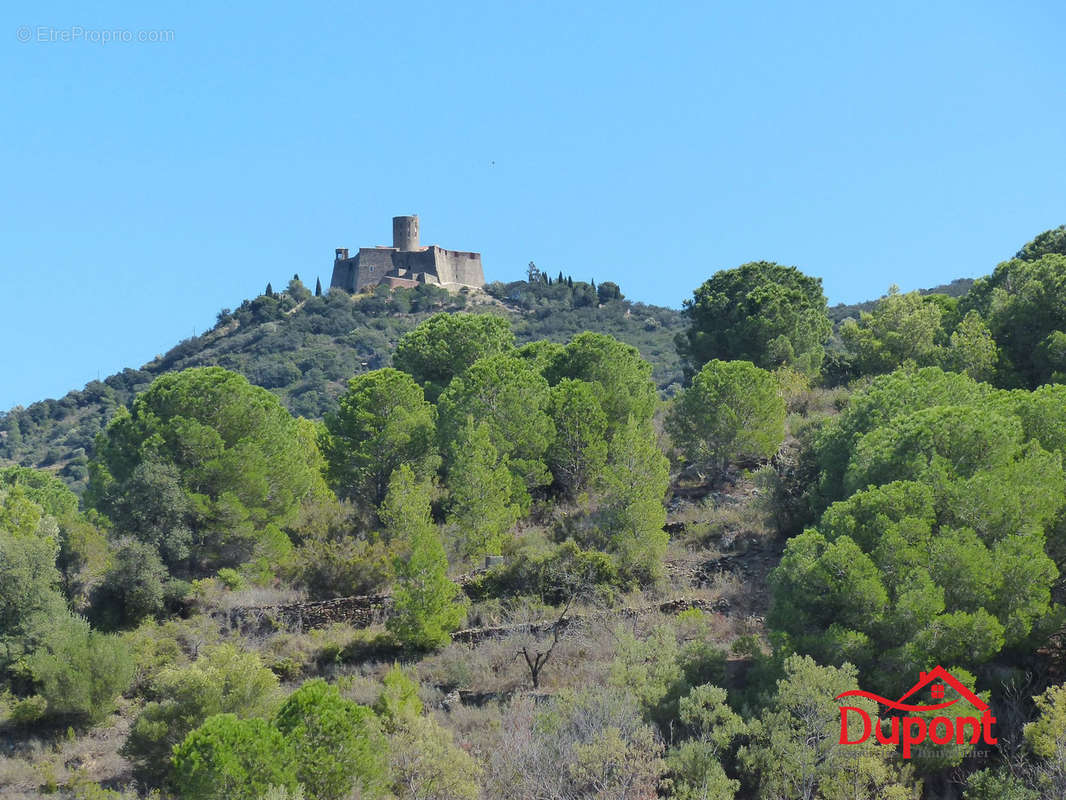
[[305, 348]]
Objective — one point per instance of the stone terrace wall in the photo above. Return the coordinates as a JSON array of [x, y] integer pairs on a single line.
[[359, 612], [475, 635], [364, 611]]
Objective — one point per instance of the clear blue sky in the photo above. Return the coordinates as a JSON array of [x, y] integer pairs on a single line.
[[148, 185]]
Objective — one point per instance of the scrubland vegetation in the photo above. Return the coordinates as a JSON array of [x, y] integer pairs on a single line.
[[384, 547]]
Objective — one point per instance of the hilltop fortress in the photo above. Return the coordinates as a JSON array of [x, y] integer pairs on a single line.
[[405, 263]]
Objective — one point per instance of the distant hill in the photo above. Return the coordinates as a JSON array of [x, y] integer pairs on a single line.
[[840, 312], [305, 348]]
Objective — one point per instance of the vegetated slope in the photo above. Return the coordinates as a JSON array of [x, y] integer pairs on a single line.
[[840, 312], [304, 349]]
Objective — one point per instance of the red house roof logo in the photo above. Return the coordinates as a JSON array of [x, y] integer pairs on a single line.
[[924, 679], [910, 730]]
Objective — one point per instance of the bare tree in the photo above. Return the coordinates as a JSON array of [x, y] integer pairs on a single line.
[[570, 580], [535, 658]]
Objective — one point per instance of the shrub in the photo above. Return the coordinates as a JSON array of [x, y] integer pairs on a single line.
[[987, 784], [336, 743], [228, 758], [427, 764], [399, 700], [156, 646], [29, 710], [79, 671], [283, 793], [132, 589], [590, 743], [232, 579], [341, 567], [552, 574], [223, 680]]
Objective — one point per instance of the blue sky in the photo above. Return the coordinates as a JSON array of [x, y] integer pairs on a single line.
[[147, 185]]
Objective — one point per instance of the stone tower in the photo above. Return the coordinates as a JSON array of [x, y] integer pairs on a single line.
[[405, 233]]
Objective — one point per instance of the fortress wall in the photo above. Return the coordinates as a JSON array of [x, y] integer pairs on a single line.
[[397, 283], [456, 266], [343, 273], [417, 261], [373, 263]]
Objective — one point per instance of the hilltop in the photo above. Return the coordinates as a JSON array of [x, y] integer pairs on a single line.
[[304, 348]]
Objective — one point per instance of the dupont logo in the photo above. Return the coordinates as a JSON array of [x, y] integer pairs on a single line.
[[961, 727]]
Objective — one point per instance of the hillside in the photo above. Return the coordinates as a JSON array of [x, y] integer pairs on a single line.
[[493, 561], [305, 348], [840, 312]]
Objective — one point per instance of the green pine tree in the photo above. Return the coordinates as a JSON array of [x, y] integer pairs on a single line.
[[635, 481], [427, 606], [482, 491]]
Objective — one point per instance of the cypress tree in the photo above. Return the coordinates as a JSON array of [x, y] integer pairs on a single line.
[[318, 287], [269, 290]]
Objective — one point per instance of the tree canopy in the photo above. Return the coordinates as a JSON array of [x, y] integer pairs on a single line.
[[511, 398], [203, 456], [428, 606], [901, 328], [762, 312], [942, 497], [622, 379], [336, 744], [1052, 241], [1024, 304], [383, 422], [732, 409], [445, 345]]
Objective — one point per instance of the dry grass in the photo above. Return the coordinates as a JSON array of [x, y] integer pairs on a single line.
[[722, 526], [225, 600], [42, 764]]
